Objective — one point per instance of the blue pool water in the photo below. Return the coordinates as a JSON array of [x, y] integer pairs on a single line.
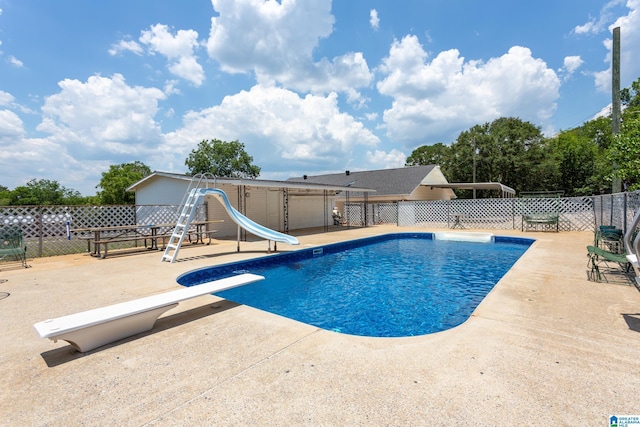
[[387, 286]]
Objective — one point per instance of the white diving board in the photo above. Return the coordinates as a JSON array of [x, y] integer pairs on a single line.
[[94, 328]]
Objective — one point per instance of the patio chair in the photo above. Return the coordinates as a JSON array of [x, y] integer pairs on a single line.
[[12, 245], [609, 238], [602, 261]]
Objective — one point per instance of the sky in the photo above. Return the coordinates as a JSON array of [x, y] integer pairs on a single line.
[[308, 86]]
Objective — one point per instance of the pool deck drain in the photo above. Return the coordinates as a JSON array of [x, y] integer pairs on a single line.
[[545, 347]]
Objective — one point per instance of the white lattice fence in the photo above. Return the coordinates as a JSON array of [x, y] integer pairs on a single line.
[[44, 228], [382, 213], [433, 214], [576, 213]]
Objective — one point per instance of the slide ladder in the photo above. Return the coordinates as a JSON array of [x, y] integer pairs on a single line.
[[193, 197]]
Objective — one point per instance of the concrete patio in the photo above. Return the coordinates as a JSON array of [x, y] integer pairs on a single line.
[[546, 347]]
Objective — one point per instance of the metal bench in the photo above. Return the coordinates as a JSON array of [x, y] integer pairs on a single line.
[[94, 328], [548, 220]]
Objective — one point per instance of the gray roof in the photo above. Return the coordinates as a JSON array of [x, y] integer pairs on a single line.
[[304, 185], [386, 182]]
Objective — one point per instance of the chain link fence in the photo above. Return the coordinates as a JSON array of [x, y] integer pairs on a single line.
[[44, 228]]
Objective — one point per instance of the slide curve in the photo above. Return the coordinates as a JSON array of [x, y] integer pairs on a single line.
[[244, 222]]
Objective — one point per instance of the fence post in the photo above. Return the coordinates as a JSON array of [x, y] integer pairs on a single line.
[[40, 230]]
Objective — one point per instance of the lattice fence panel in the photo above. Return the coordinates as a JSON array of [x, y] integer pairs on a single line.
[[483, 213], [45, 227], [429, 214], [576, 213], [354, 214], [382, 213]]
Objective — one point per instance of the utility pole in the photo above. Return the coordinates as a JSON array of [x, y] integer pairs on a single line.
[[615, 101], [474, 167]]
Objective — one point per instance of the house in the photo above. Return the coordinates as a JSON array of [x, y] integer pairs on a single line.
[[390, 185], [279, 205], [408, 183]]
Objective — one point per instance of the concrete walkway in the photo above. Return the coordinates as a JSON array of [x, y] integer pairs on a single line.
[[546, 347]]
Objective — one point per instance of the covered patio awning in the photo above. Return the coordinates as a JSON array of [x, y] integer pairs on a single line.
[[503, 189]]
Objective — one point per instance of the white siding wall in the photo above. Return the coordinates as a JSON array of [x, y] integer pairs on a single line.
[[264, 205], [215, 211], [162, 191], [307, 211]]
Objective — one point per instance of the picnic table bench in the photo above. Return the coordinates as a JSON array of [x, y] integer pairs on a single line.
[[150, 234], [90, 329]]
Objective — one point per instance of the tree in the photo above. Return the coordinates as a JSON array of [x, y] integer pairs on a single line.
[[625, 151], [5, 196], [42, 192], [436, 154], [115, 181], [577, 156], [508, 151], [630, 97], [223, 159]]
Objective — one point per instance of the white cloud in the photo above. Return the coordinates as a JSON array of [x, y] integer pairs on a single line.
[[11, 127], [5, 98], [276, 40], [90, 125], [126, 46], [572, 63], [279, 128], [103, 115], [629, 46], [433, 99], [598, 24], [374, 21], [179, 50], [383, 160], [15, 61]]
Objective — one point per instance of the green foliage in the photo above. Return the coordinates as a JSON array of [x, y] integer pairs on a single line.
[[42, 192], [630, 97], [5, 196], [577, 156], [115, 181], [222, 159], [508, 151], [625, 151], [436, 154]]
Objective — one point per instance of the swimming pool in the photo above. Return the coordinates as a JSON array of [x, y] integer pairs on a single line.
[[393, 285]]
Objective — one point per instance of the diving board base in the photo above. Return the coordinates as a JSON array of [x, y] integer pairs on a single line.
[[104, 333], [94, 328]]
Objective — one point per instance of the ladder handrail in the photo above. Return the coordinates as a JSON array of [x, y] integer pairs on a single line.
[[200, 177], [630, 245], [186, 211]]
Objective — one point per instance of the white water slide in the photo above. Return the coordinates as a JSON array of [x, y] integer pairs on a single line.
[[195, 197], [244, 222]]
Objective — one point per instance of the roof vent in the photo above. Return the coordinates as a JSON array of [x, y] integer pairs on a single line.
[[348, 173]]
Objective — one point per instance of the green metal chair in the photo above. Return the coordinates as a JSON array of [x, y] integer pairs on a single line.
[[12, 245], [601, 261]]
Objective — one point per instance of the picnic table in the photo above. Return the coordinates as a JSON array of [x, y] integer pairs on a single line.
[[101, 237]]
